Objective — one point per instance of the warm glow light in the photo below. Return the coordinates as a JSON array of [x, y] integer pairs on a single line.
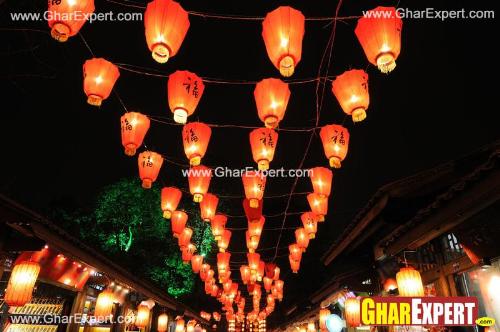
[[134, 127], [352, 311], [195, 137], [104, 305], [21, 283], [142, 318], [63, 21], [409, 282], [208, 207], [263, 142], [99, 77], [335, 139], [254, 183], [351, 91], [271, 97], [199, 180], [179, 220], [149, 167], [170, 198], [321, 179], [185, 90], [162, 323]]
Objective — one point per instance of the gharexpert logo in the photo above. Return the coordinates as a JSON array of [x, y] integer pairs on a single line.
[[429, 311]]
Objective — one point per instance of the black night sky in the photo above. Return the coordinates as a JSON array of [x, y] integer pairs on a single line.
[[437, 105]]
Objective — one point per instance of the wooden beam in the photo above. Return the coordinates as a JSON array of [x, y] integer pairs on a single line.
[[365, 221], [467, 203]]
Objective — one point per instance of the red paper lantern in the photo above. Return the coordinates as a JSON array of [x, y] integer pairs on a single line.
[[184, 93], [321, 179], [271, 97], [268, 283], [270, 300], [204, 270], [302, 238], [166, 24], [294, 264], [226, 286], [318, 205], [255, 227], [179, 325], [309, 220], [223, 243], [66, 17], [218, 224], [142, 318], [352, 311], [187, 252], [390, 284], [351, 91], [99, 77], [196, 262], [208, 207], [195, 136], [252, 242], [185, 237], [252, 213], [134, 127], [223, 259], [276, 273], [170, 198], [245, 273], [179, 219], [295, 252], [199, 180], [104, 304], [253, 261], [21, 283], [162, 323], [254, 183], [335, 139], [379, 33], [263, 143], [283, 31], [149, 167], [409, 282]]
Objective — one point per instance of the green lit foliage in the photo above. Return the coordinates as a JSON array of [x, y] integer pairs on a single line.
[[127, 225]]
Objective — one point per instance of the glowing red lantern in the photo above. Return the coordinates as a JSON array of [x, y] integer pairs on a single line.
[[271, 97], [379, 33], [323, 314], [223, 261], [335, 139], [318, 205], [149, 167], [179, 219], [252, 242], [268, 283], [218, 223], [223, 243], [390, 284], [245, 273], [99, 77], [104, 304], [255, 227], [142, 317], [196, 262], [252, 214], [170, 198], [199, 180], [226, 286], [208, 207], [283, 30], [302, 238], [254, 183], [179, 325], [203, 271], [195, 136], [162, 323], [295, 252], [184, 93], [21, 283], [166, 24], [134, 127], [309, 220], [263, 142], [185, 237], [67, 17], [409, 282], [351, 91], [187, 252], [352, 311], [253, 261], [321, 179], [294, 264]]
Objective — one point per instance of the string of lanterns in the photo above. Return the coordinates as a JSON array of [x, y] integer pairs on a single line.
[[283, 29]]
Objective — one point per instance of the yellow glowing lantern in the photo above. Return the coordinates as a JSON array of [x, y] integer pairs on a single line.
[[142, 318], [162, 323], [409, 282], [104, 304], [352, 311], [21, 283]]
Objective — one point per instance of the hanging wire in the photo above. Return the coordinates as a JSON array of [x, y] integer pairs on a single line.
[[133, 4]]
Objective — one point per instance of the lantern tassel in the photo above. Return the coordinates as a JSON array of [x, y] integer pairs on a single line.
[[359, 114], [386, 63]]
